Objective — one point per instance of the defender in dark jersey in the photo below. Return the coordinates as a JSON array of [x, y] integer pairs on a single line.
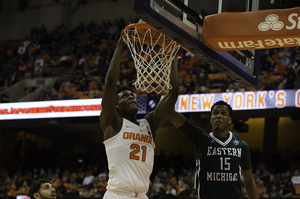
[[220, 156]]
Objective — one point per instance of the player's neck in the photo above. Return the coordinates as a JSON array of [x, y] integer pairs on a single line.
[[129, 116], [132, 118], [219, 133]]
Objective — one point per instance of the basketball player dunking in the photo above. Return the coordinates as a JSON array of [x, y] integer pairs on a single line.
[[220, 156], [129, 142]]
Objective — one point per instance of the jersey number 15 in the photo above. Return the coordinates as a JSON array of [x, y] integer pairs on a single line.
[[225, 164]]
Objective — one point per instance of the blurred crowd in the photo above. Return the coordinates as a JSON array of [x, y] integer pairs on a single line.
[[80, 58]]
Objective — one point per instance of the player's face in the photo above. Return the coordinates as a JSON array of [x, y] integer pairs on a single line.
[[47, 191], [127, 101], [220, 118]]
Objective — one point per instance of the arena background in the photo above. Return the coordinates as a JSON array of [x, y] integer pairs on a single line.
[[267, 130]]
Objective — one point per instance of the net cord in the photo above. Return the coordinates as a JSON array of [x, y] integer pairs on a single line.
[[153, 74]]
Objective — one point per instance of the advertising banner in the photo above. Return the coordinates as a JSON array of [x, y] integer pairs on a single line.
[[276, 28], [250, 100]]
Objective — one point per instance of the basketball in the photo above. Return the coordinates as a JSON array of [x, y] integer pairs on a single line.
[[150, 36]]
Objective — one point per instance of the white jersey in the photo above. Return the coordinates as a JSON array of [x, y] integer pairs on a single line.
[[130, 156]]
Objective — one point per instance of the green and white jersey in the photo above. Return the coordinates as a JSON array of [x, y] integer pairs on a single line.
[[219, 162]]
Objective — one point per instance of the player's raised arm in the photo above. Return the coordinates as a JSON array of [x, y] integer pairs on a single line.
[[177, 119], [165, 107], [111, 78]]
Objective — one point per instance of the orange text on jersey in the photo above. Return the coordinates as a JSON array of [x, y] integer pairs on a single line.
[[137, 136]]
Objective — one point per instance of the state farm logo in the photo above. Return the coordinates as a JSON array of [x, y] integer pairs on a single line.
[[271, 23]]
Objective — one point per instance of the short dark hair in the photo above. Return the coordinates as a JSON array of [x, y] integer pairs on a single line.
[[123, 88], [225, 104], [35, 187]]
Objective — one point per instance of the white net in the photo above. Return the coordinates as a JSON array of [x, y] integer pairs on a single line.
[[153, 53]]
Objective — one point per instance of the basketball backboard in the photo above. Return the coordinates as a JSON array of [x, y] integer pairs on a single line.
[[178, 19]]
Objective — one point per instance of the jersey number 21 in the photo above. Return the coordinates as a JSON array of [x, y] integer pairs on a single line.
[[136, 149]]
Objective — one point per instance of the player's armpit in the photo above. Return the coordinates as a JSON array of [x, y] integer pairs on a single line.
[[177, 119]]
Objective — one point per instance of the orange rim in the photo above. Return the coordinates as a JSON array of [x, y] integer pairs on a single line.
[[139, 25], [144, 25]]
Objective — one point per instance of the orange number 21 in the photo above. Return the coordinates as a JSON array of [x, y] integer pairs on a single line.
[[136, 149]]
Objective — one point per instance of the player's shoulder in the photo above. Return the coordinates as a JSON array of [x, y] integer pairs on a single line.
[[149, 115], [245, 144], [235, 135]]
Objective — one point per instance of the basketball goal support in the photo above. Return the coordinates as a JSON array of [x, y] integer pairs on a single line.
[[191, 39]]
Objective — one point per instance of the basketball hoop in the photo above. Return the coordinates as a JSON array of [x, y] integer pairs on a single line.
[[153, 53]]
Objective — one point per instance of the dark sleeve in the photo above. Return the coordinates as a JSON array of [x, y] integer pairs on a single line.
[[197, 136], [246, 157]]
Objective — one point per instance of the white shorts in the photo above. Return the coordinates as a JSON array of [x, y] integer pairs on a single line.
[[123, 195]]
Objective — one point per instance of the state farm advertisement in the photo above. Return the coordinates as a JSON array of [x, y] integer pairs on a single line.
[[277, 28]]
